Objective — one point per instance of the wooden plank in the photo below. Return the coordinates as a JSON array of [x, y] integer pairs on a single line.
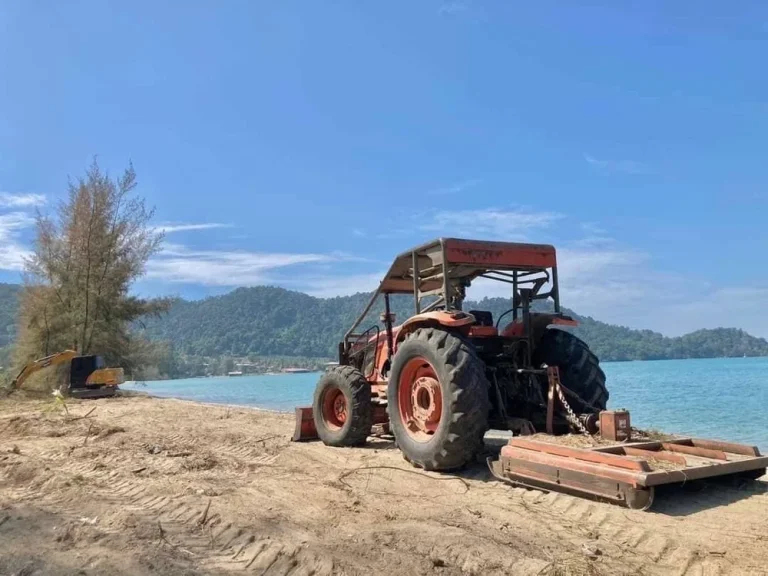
[[726, 447], [554, 464], [540, 476], [707, 471], [578, 454], [694, 451], [682, 444]]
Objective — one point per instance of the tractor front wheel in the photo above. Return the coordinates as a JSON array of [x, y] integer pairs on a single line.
[[438, 400], [342, 407]]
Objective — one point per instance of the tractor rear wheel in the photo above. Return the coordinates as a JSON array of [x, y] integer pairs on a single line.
[[342, 407], [580, 369], [438, 400]]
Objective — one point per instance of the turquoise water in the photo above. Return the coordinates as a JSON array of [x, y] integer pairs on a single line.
[[717, 398]]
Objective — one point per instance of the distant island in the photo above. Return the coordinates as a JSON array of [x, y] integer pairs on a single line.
[[269, 329]]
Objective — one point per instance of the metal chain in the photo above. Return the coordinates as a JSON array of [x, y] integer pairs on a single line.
[[570, 415]]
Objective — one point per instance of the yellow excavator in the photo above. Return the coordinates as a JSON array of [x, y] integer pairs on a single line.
[[88, 376]]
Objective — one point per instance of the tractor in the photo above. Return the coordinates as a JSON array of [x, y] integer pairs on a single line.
[[445, 376]]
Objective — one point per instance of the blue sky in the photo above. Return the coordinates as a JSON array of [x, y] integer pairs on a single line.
[[304, 144]]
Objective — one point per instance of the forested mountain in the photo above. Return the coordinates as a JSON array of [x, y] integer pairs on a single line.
[[265, 321], [273, 322]]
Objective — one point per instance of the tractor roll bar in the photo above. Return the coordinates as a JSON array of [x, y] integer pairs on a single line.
[[450, 260]]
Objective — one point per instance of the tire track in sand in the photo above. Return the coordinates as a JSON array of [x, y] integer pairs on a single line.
[[655, 550], [216, 541]]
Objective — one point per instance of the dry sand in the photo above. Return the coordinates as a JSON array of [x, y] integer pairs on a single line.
[[150, 486]]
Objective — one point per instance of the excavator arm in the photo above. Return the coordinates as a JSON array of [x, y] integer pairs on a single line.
[[39, 364]]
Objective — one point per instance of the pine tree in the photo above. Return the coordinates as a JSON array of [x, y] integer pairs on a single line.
[[77, 281]]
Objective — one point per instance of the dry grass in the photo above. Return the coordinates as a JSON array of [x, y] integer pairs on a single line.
[[651, 435]]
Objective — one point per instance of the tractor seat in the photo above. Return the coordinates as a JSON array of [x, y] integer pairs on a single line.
[[482, 317]]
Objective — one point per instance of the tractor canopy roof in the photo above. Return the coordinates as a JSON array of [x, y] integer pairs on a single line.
[[462, 260]]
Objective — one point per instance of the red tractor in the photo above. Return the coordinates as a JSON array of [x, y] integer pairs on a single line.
[[443, 377]]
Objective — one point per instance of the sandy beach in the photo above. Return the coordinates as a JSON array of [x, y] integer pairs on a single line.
[[140, 485]]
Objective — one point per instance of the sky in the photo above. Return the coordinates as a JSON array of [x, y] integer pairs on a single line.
[[304, 144]]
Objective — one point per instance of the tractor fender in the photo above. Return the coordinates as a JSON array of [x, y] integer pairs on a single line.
[[539, 323], [453, 320]]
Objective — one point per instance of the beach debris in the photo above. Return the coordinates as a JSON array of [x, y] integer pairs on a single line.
[[438, 562], [180, 454], [204, 518], [111, 430], [88, 433], [591, 551], [89, 521], [203, 462], [79, 417]]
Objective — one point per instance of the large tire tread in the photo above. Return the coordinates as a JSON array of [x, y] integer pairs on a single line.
[[358, 393], [579, 367], [465, 388]]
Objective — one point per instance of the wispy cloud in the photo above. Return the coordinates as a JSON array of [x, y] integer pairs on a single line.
[[12, 252], [595, 161], [594, 237], [456, 188], [578, 263], [591, 279], [10, 200], [626, 166], [490, 223], [726, 306], [14, 221], [593, 229], [598, 277], [452, 7], [179, 264], [170, 227], [331, 285]]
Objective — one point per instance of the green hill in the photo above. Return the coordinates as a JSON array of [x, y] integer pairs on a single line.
[[267, 321]]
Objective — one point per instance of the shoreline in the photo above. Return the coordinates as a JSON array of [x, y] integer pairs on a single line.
[[708, 358], [130, 393]]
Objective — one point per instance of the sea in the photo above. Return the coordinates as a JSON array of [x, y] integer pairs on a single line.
[[725, 399]]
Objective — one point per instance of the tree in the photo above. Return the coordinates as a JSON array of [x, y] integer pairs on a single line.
[[77, 281]]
